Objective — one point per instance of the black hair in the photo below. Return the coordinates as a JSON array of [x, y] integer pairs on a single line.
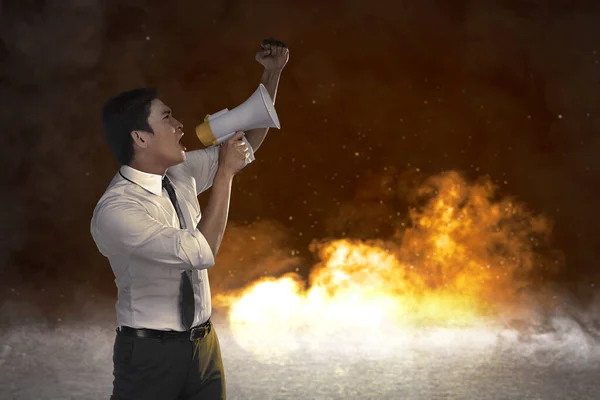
[[122, 114]]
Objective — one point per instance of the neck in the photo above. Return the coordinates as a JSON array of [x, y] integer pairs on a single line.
[[147, 167]]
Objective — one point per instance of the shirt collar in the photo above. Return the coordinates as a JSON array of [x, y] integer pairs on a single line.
[[150, 182]]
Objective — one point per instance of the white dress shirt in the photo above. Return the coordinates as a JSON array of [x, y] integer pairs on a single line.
[[136, 227]]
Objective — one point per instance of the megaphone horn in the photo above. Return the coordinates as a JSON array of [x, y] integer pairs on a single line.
[[256, 112]]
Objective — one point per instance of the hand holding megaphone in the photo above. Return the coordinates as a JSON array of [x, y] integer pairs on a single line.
[[234, 153], [256, 112]]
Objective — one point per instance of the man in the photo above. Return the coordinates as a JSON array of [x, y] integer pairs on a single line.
[[148, 224]]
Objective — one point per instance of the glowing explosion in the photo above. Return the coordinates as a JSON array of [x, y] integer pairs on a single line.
[[460, 260]]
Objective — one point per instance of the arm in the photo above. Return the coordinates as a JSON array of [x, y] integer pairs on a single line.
[[125, 228], [270, 78], [273, 55], [232, 157], [213, 222]]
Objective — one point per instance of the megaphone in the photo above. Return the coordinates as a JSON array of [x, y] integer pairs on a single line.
[[256, 112]]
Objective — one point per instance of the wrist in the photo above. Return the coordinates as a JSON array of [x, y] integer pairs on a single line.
[[273, 71]]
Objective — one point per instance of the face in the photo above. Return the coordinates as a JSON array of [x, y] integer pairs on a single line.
[[164, 147]]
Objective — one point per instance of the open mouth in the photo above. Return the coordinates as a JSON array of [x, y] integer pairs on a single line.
[[181, 144]]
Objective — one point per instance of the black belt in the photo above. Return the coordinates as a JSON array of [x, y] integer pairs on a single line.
[[198, 332]]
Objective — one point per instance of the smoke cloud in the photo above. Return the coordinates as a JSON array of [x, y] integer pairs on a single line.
[[374, 101]]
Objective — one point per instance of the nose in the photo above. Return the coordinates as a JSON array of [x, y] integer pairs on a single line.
[[179, 126]]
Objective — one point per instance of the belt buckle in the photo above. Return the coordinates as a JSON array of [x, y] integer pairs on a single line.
[[205, 331]]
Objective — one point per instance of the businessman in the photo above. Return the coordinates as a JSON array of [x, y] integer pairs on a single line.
[[149, 225]]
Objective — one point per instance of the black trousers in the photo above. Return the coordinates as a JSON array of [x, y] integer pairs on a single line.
[[173, 369]]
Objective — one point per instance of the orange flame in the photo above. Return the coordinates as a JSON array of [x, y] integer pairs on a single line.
[[459, 261]]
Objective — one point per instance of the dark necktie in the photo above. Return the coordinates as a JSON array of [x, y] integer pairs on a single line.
[[187, 291]]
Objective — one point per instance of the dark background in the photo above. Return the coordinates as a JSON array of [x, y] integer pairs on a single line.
[[373, 91]]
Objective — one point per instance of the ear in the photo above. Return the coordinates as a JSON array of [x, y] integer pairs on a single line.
[[140, 139]]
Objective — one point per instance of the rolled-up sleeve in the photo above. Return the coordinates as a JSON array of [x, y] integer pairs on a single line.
[[126, 228]]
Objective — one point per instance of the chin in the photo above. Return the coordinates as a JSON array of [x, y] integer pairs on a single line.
[[181, 158], [175, 158]]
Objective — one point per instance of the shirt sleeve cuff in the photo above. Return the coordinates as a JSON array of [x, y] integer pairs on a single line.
[[198, 251]]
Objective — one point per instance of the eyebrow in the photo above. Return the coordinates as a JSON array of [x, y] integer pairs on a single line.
[[166, 112]]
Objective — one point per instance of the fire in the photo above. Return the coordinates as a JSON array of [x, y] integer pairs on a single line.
[[457, 262]]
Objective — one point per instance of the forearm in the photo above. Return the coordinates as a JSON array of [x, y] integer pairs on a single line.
[[214, 219], [270, 79]]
